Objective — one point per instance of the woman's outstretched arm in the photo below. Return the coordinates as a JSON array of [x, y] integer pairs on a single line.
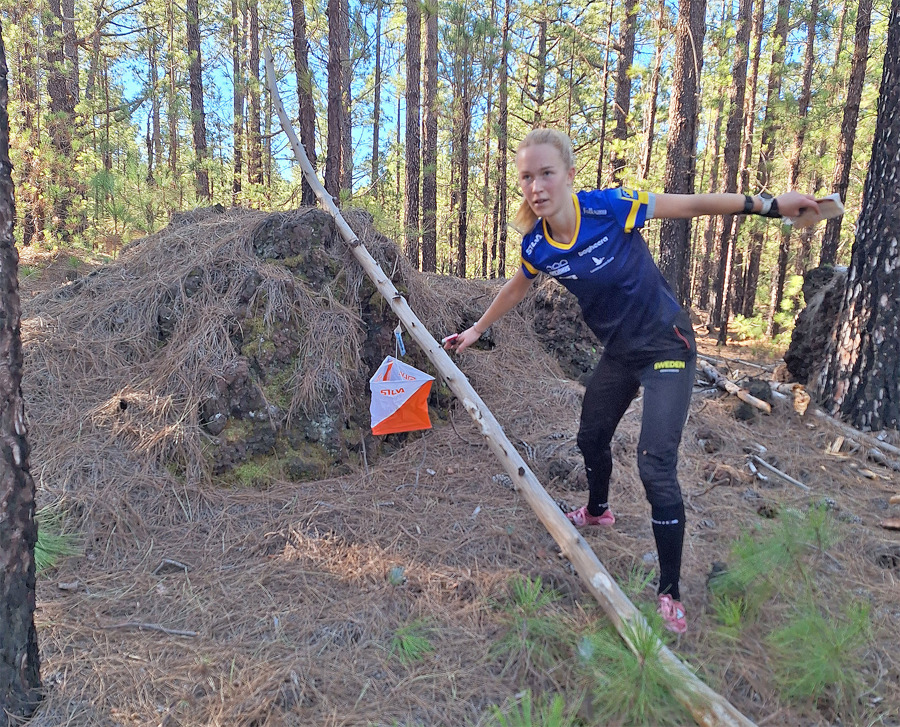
[[790, 204], [510, 295]]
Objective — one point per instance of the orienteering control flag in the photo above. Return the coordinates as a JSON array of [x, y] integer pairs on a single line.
[[399, 398]]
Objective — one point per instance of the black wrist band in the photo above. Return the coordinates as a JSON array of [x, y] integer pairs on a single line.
[[748, 205]]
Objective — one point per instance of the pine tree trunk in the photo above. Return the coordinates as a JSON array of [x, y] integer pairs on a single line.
[[740, 304], [860, 383], [487, 239], [254, 142], [28, 101], [681, 149], [622, 99], [429, 142], [237, 125], [412, 146], [62, 116], [20, 678], [502, 142], [731, 158], [540, 74], [306, 104], [784, 246], [198, 115], [172, 108], [770, 128], [376, 106], [709, 224], [650, 118], [346, 101], [335, 112], [832, 237], [605, 110]]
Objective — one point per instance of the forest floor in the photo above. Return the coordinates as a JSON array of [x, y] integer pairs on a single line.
[[386, 597]]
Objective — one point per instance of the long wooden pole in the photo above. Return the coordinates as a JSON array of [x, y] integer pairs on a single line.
[[709, 708]]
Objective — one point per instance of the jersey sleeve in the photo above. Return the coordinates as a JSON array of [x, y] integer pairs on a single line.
[[528, 267], [631, 207]]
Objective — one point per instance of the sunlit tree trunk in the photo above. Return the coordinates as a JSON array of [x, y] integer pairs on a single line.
[[254, 141], [335, 108], [650, 118], [376, 107], [502, 142], [604, 111]]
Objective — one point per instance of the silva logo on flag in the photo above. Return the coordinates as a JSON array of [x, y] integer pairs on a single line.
[[392, 392]]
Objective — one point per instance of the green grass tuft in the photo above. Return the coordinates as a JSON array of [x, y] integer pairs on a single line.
[[629, 688], [410, 643], [819, 654], [52, 544], [528, 711], [536, 639]]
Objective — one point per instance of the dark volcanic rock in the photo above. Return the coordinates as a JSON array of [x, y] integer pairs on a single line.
[[823, 291]]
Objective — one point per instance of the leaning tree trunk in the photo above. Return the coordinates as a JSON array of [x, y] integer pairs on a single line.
[[681, 156], [861, 383], [841, 179], [198, 115], [20, 678]]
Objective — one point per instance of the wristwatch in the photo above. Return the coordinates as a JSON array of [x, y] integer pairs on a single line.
[[769, 206]]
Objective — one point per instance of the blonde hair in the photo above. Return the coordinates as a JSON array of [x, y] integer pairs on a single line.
[[525, 217]]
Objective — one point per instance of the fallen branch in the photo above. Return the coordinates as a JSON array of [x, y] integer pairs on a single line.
[[708, 707], [723, 359], [149, 627], [774, 470], [856, 434], [733, 388]]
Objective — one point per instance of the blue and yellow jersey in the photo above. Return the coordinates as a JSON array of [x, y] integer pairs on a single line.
[[625, 300]]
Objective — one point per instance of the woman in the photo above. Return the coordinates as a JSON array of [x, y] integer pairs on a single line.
[[589, 242]]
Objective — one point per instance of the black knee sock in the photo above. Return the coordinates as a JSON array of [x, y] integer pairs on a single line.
[[668, 529]]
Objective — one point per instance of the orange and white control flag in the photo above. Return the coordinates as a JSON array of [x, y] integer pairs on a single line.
[[399, 398]]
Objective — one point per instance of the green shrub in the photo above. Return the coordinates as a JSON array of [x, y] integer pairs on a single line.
[[527, 711], [411, 643]]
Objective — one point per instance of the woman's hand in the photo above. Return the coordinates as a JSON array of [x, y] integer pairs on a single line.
[[791, 204], [463, 340]]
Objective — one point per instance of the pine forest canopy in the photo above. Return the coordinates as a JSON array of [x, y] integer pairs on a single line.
[[125, 111]]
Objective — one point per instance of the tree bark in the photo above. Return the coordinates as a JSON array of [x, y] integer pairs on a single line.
[[731, 161], [605, 110], [172, 105], [376, 106], [487, 234], [306, 105], [335, 108], [709, 228], [62, 115], [429, 142], [650, 119], [681, 149], [841, 179], [237, 125], [254, 141], [412, 146], [784, 247], [622, 99], [20, 678], [768, 137], [346, 101], [540, 75], [198, 115], [860, 383], [502, 141], [28, 101]]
